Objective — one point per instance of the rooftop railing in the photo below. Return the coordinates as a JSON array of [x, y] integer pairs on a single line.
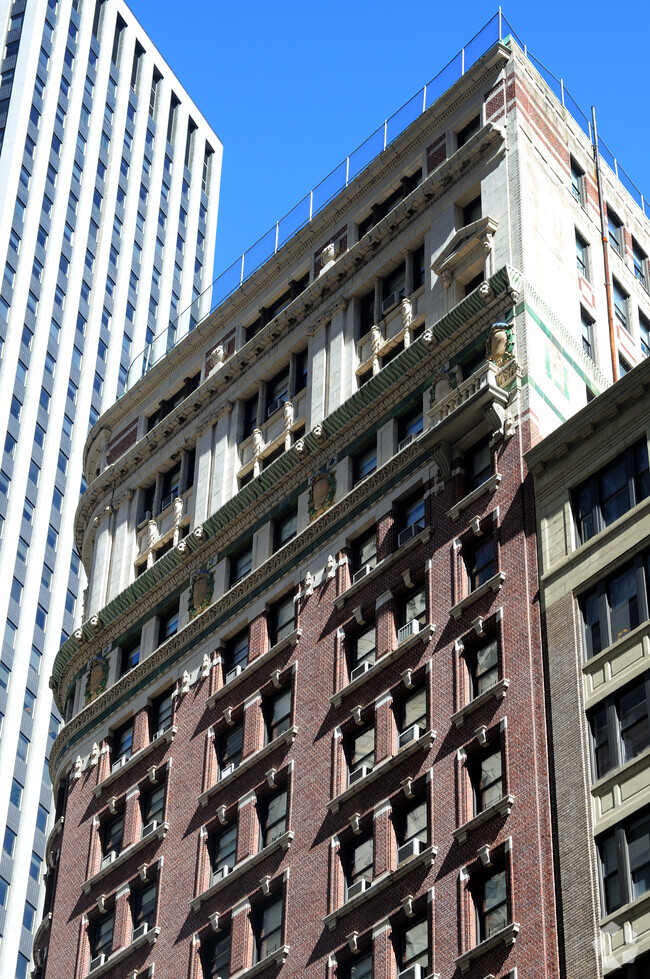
[[496, 29]]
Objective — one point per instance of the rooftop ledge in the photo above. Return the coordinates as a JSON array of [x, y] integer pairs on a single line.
[[380, 883], [278, 957], [507, 935], [381, 567], [167, 736], [492, 584], [497, 691], [425, 742], [290, 640], [502, 807], [288, 737], [282, 843], [121, 953], [125, 855], [423, 636]]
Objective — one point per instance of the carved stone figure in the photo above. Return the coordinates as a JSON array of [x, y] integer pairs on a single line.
[[76, 771], [94, 755], [309, 584], [485, 292], [152, 533], [328, 257], [330, 569], [375, 343], [178, 510], [500, 344], [185, 682], [205, 666]]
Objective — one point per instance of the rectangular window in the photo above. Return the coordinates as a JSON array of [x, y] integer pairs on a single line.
[[144, 906], [241, 563], [277, 715], [364, 462], [582, 255], [122, 743], [625, 862], [357, 857], [491, 904], [101, 936], [215, 956], [229, 750], [168, 623], [620, 726], [411, 944], [223, 852], [362, 651], [486, 776], [129, 656], [577, 182], [364, 554], [611, 492], [620, 303], [644, 334], [615, 228], [360, 751], [640, 260], [268, 930], [587, 325], [111, 835], [411, 518], [273, 817], [285, 528], [281, 619], [614, 607], [152, 807], [411, 829], [479, 563]]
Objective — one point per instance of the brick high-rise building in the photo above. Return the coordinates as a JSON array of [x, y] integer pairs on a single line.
[[110, 179], [305, 715]]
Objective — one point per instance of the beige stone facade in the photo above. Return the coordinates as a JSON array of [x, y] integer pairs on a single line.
[[591, 486]]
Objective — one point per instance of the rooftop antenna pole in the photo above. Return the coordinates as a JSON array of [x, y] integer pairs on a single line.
[[605, 240], [500, 25]]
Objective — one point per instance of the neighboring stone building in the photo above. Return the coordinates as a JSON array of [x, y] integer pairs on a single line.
[[110, 183], [592, 489], [305, 717]]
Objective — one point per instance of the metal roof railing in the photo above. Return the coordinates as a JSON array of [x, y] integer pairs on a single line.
[[496, 29]]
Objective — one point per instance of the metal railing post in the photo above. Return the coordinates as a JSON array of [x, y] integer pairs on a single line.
[[500, 25], [241, 274]]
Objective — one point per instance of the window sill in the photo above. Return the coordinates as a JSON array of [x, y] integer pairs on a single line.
[[610, 653], [276, 958], [122, 953], [381, 567], [250, 668], [498, 692], [390, 877], [489, 486], [507, 936], [423, 636], [282, 843], [635, 909], [287, 738], [617, 776], [424, 742], [125, 855], [503, 807], [492, 584], [167, 736]]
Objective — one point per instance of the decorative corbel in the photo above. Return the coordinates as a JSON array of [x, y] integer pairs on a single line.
[[101, 904], [221, 815], [112, 805], [475, 524], [354, 823], [358, 616], [484, 854], [151, 772], [407, 787], [205, 666], [265, 884], [481, 734], [352, 941], [407, 904], [356, 715], [270, 778], [442, 458], [407, 678], [275, 679], [330, 569], [406, 578], [185, 682], [477, 625], [214, 921], [227, 716], [142, 872]]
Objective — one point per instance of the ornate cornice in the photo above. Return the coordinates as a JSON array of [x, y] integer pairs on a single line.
[[206, 545]]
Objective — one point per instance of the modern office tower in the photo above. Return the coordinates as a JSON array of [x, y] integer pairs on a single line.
[[110, 180], [592, 489], [305, 729]]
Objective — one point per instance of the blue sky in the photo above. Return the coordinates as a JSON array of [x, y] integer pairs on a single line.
[[292, 87]]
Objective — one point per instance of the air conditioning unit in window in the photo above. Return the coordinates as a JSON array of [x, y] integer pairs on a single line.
[[410, 629], [120, 763], [358, 887], [410, 734], [413, 972], [404, 444], [362, 572], [408, 850], [220, 873], [358, 774], [96, 962], [168, 500], [389, 302], [150, 827], [233, 673], [409, 532], [108, 858], [360, 670], [275, 406], [228, 770], [159, 733], [140, 931]]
